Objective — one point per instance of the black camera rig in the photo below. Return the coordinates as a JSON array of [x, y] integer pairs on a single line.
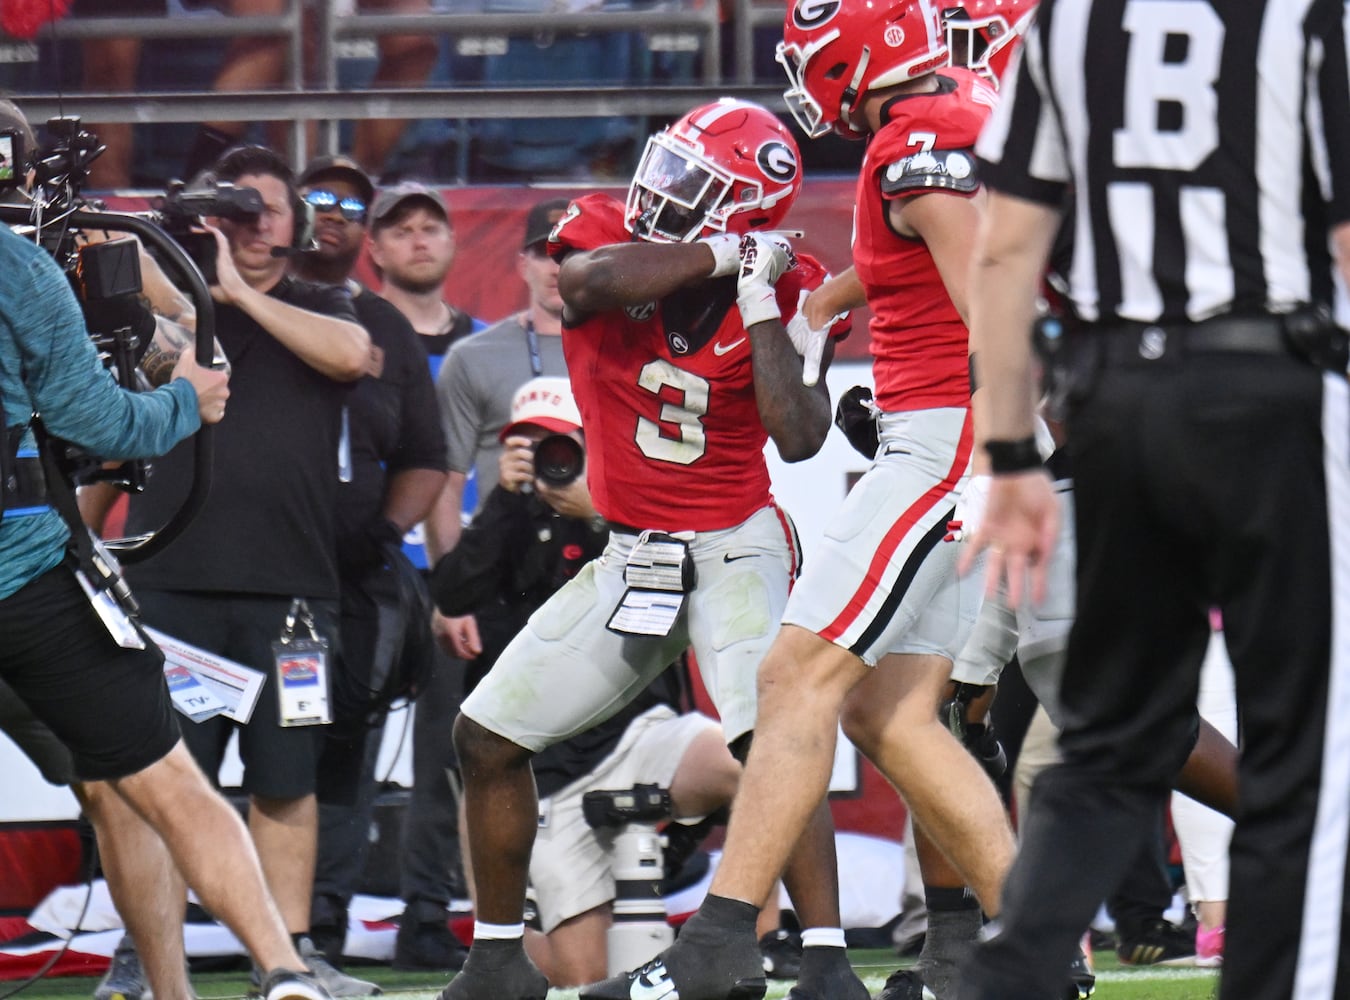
[[106, 278]]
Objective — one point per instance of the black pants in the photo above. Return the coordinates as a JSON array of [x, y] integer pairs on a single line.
[[1207, 480]]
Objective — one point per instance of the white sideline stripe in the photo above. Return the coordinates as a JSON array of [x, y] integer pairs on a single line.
[[1320, 938]]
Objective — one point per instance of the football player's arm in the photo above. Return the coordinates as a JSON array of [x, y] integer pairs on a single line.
[[948, 225], [838, 294], [630, 274], [796, 416]]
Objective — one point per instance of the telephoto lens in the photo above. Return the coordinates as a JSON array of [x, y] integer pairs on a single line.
[[558, 460]]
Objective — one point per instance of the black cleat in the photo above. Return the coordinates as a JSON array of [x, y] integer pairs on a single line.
[[654, 982], [905, 984], [782, 953], [1158, 941], [497, 970]]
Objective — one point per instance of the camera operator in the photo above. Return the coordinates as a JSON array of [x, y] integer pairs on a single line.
[[262, 545], [536, 530], [106, 700]]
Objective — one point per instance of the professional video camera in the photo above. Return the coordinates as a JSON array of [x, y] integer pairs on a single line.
[[184, 207], [105, 274]]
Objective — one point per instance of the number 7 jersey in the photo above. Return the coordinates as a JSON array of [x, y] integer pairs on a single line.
[[667, 395]]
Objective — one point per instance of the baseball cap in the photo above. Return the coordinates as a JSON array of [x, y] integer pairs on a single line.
[[541, 220], [544, 402], [338, 166], [389, 199]]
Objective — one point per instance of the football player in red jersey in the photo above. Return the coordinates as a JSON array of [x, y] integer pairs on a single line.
[[679, 331], [872, 627]]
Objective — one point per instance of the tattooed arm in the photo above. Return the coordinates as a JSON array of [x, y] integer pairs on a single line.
[[175, 323]]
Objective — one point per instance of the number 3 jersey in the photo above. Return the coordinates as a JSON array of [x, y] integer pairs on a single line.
[[918, 341], [667, 394]]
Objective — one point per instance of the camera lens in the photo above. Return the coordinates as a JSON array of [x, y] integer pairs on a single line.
[[558, 460]]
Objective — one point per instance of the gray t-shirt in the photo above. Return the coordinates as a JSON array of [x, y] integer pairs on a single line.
[[475, 385]]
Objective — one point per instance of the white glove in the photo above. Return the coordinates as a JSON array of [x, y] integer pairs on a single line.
[[809, 343], [726, 251], [764, 259], [970, 507]]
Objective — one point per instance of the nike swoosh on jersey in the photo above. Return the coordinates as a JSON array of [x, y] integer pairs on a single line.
[[728, 557], [720, 349], [652, 982]]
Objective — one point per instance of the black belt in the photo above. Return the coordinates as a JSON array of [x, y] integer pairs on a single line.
[[1140, 343]]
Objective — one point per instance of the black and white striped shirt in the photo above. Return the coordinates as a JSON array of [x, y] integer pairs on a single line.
[[1207, 146]]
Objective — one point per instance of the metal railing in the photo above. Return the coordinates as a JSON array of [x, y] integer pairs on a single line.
[[326, 104]]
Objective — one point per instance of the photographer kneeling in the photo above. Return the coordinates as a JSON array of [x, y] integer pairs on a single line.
[[536, 530]]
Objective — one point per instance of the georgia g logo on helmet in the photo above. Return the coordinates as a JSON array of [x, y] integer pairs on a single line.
[[813, 13], [777, 161]]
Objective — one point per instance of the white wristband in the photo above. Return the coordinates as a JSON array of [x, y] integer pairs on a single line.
[[725, 249]]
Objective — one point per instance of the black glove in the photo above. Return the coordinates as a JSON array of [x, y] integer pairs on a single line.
[[368, 548], [858, 421]]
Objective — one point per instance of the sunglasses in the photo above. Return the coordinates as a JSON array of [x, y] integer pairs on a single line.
[[352, 209]]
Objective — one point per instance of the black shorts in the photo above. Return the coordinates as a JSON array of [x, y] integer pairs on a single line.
[[38, 742], [109, 705], [279, 762]]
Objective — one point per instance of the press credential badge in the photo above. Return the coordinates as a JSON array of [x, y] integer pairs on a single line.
[[302, 670]]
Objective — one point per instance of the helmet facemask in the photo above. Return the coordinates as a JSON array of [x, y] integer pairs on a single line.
[[678, 194]]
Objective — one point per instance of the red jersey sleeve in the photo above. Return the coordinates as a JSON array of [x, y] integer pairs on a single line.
[[591, 221]]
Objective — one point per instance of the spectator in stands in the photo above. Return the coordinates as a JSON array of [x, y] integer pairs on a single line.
[[412, 246], [259, 62], [262, 546], [397, 469]]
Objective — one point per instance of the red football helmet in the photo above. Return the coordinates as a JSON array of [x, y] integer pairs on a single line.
[[983, 34], [835, 51], [729, 166]]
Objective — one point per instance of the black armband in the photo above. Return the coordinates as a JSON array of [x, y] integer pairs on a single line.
[[1013, 456]]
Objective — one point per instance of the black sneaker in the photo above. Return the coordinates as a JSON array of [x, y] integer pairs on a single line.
[[125, 979], [497, 970], [328, 927], [905, 984], [782, 953], [286, 984], [425, 942], [1158, 941]]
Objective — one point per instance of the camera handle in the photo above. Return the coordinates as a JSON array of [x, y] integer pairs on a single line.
[[131, 550]]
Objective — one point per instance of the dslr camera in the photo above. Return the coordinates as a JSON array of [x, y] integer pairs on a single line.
[[558, 460], [618, 807]]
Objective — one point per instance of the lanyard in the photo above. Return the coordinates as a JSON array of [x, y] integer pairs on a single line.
[[532, 342]]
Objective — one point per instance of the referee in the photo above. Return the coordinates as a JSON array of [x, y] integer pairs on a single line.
[[1206, 149]]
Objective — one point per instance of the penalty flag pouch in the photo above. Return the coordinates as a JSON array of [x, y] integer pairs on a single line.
[[301, 670], [660, 574]]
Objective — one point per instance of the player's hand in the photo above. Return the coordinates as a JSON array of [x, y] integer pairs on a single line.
[[764, 259], [213, 387], [1020, 525], [807, 340], [572, 500], [515, 466], [970, 507], [457, 636]]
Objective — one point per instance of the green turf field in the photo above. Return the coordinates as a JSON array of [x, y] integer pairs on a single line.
[[1113, 982]]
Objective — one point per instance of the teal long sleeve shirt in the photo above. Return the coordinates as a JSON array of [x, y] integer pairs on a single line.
[[49, 366]]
